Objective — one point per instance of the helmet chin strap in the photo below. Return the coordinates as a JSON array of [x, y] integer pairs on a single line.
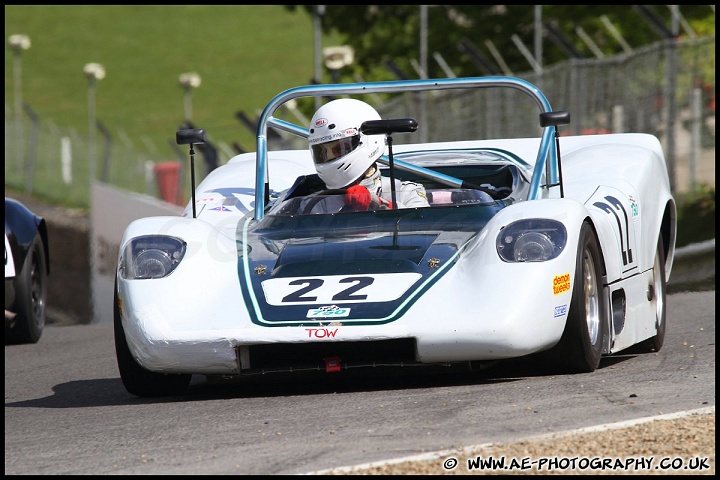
[[371, 180]]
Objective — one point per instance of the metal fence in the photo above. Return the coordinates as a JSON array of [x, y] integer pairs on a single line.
[[51, 162], [665, 87]]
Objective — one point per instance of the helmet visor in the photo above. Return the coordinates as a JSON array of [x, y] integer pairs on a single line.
[[329, 151]]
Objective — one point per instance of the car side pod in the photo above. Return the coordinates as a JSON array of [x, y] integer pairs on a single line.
[[191, 136]]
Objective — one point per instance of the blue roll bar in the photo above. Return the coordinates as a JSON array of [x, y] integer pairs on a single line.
[[547, 153]]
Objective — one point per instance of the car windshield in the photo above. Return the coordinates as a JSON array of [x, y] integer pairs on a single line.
[[321, 203], [456, 178], [439, 160]]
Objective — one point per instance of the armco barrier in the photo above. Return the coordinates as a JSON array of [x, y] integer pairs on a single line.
[[693, 265]]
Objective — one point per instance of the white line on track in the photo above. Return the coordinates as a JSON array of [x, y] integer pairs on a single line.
[[424, 457]]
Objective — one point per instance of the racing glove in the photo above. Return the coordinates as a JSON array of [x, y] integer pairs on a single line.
[[361, 199]]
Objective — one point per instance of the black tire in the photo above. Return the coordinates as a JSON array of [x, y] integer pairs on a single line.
[[30, 297], [581, 345], [659, 288], [136, 379]]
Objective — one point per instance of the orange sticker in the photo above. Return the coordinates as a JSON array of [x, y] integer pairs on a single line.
[[561, 283]]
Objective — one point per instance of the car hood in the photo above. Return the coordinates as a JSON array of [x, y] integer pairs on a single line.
[[373, 253], [377, 263]]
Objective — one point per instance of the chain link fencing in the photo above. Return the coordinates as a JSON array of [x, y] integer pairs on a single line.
[[665, 87]]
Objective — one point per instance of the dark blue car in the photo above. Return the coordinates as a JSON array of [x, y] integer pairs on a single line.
[[27, 266]]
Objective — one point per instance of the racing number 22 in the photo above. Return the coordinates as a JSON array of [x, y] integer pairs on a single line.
[[311, 284]]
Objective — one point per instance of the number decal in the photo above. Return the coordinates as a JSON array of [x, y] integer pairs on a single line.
[[312, 284], [347, 294], [315, 283], [623, 226], [623, 212], [327, 290]]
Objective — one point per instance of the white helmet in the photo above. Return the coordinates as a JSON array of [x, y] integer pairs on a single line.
[[341, 153]]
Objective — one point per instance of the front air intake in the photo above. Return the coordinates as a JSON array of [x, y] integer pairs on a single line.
[[285, 357]]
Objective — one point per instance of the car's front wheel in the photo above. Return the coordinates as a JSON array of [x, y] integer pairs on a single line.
[[136, 379], [581, 345], [30, 297]]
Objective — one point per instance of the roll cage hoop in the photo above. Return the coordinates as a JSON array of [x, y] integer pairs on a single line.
[[548, 156]]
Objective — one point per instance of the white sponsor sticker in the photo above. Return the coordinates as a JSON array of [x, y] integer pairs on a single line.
[[329, 311]]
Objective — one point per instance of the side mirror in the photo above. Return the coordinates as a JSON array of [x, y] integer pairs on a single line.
[[394, 125], [557, 118], [190, 136]]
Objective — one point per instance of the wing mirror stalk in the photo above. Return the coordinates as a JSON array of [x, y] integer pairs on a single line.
[[191, 136], [555, 119]]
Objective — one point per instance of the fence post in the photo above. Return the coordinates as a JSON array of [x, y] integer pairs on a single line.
[[696, 119], [105, 174], [618, 125], [32, 148], [66, 159]]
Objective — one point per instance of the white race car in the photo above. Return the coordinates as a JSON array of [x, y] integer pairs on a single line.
[[555, 244]]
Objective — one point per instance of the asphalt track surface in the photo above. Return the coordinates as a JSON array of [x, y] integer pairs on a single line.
[[66, 411]]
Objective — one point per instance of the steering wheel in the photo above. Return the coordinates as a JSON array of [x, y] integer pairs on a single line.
[[317, 197], [495, 194]]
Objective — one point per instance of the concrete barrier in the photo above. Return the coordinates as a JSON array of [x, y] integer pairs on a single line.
[[113, 209]]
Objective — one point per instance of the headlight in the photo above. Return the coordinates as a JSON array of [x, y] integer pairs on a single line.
[[151, 257], [533, 240]]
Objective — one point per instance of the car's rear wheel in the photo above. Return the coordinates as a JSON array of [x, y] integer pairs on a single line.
[[581, 345], [30, 297], [136, 379], [659, 292]]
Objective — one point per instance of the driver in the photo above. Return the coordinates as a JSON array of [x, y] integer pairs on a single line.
[[346, 159]]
